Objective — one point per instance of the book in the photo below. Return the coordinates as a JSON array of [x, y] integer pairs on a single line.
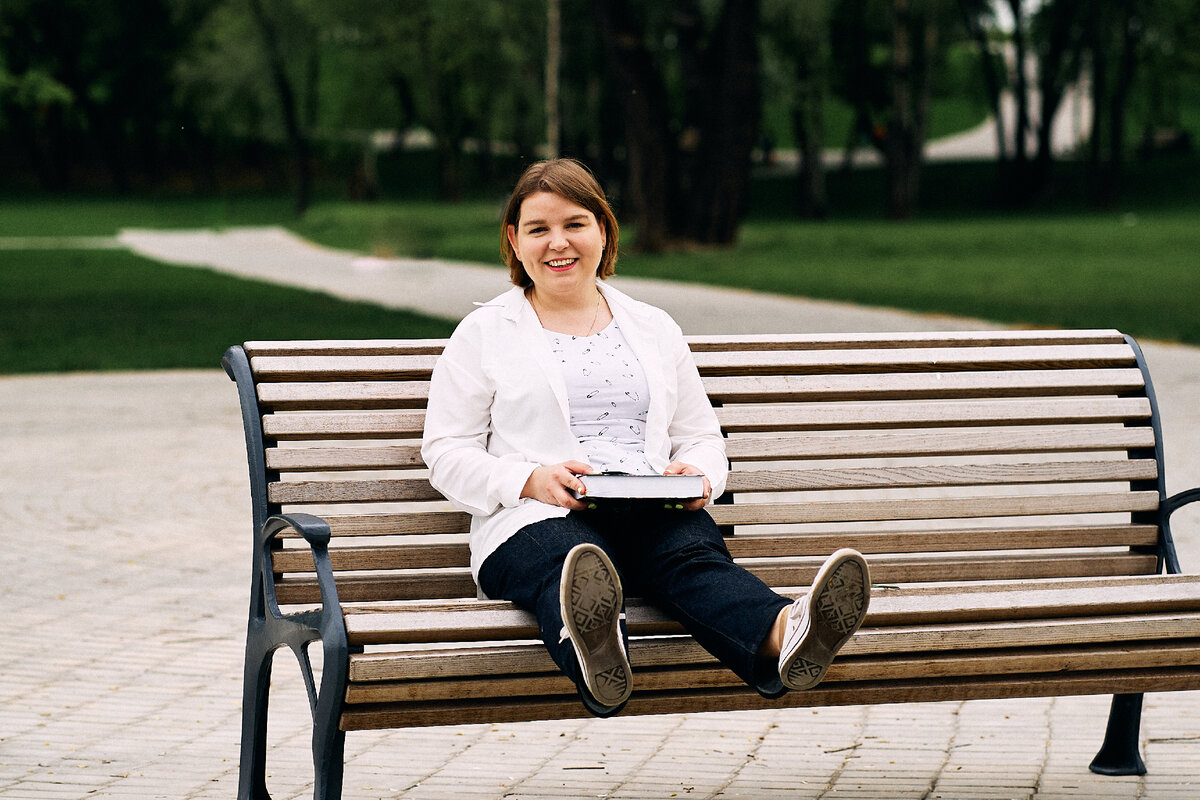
[[623, 486]]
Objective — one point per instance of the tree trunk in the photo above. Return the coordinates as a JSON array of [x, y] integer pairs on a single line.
[[643, 99], [991, 81], [293, 126], [688, 175], [808, 125], [914, 39], [727, 140], [1021, 91], [553, 56]]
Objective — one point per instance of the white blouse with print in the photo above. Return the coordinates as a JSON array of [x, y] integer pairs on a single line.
[[608, 396]]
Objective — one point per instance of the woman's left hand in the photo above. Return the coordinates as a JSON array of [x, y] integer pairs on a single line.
[[680, 468]]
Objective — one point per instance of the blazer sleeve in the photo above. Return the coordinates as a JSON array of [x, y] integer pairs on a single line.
[[457, 428], [694, 431]]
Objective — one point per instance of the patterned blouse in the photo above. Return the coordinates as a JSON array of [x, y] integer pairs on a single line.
[[608, 396]]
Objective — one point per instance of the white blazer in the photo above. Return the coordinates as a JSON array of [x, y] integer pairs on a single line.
[[498, 409]]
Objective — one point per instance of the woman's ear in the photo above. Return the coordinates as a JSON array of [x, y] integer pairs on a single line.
[[512, 241]]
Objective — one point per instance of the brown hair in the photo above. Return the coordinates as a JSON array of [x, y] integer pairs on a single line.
[[572, 181]]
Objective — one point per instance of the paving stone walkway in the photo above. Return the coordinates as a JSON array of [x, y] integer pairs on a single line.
[[125, 516]]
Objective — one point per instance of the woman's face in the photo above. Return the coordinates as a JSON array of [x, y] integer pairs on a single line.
[[560, 244]]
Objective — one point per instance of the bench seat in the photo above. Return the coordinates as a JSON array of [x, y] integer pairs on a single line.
[[1006, 488]]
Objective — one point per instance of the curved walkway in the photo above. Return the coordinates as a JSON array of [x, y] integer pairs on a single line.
[[125, 511]]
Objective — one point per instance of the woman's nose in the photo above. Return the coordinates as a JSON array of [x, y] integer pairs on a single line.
[[558, 240]]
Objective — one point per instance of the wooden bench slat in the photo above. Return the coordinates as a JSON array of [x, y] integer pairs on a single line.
[[454, 552], [1058, 438], [848, 669], [767, 387], [887, 609], [1132, 681], [898, 415], [700, 342], [339, 459], [900, 340], [930, 386], [913, 476], [795, 362], [385, 490], [343, 395], [799, 417], [412, 522], [925, 359], [957, 507], [869, 444], [317, 426], [513, 656], [886, 569], [940, 475]]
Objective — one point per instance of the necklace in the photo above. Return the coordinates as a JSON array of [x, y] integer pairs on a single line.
[[595, 314]]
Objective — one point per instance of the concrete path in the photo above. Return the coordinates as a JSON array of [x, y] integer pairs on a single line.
[[125, 514]]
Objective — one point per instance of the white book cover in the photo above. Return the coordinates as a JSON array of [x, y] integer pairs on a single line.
[[608, 485]]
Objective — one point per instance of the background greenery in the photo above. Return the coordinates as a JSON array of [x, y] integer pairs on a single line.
[[1134, 269]]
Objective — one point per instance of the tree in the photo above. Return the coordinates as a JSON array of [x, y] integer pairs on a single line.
[[796, 38], [914, 44], [687, 84], [74, 91], [1113, 34], [289, 41]]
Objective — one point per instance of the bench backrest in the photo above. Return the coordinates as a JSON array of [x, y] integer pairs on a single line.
[[945, 456]]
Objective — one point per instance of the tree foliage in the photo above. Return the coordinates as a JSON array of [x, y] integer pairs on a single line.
[[664, 99]]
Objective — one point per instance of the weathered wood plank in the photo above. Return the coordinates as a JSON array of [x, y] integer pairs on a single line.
[[789, 362], [827, 694], [888, 569], [941, 414], [302, 426], [704, 342], [957, 507], [1054, 604], [887, 444], [843, 671]]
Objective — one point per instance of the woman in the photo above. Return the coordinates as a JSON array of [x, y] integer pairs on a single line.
[[564, 376]]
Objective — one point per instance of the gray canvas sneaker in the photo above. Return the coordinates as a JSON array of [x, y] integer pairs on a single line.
[[591, 599], [819, 623]]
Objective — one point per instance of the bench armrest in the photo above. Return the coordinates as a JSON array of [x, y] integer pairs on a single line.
[[1178, 501], [1166, 509], [314, 529]]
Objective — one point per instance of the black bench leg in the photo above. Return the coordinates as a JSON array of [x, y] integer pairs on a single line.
[[256, 687], [1119, 754], [329, 741]]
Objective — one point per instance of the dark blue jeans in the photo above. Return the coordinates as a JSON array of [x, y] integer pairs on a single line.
[[676, 560]]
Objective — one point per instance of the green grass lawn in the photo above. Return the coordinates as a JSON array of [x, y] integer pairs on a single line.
[[1135, 269], [67, 310]]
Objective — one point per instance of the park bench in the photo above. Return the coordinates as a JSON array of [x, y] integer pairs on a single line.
[[1007, 489]]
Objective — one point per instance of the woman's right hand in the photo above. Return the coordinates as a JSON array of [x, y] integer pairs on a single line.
[[554, 484]]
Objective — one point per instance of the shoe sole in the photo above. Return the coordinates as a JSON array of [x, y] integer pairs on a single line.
[[591, 599], [837, 605]]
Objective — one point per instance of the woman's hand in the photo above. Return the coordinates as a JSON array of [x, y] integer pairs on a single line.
[[680, 468], [554, 484]]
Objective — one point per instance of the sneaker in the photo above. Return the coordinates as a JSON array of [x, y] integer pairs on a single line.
[[824, 620], [590, 598]]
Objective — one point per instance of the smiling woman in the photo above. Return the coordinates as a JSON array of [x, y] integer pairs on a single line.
[[563, 376]]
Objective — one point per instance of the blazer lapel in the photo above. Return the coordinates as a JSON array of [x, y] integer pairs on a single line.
[[531, 339]]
